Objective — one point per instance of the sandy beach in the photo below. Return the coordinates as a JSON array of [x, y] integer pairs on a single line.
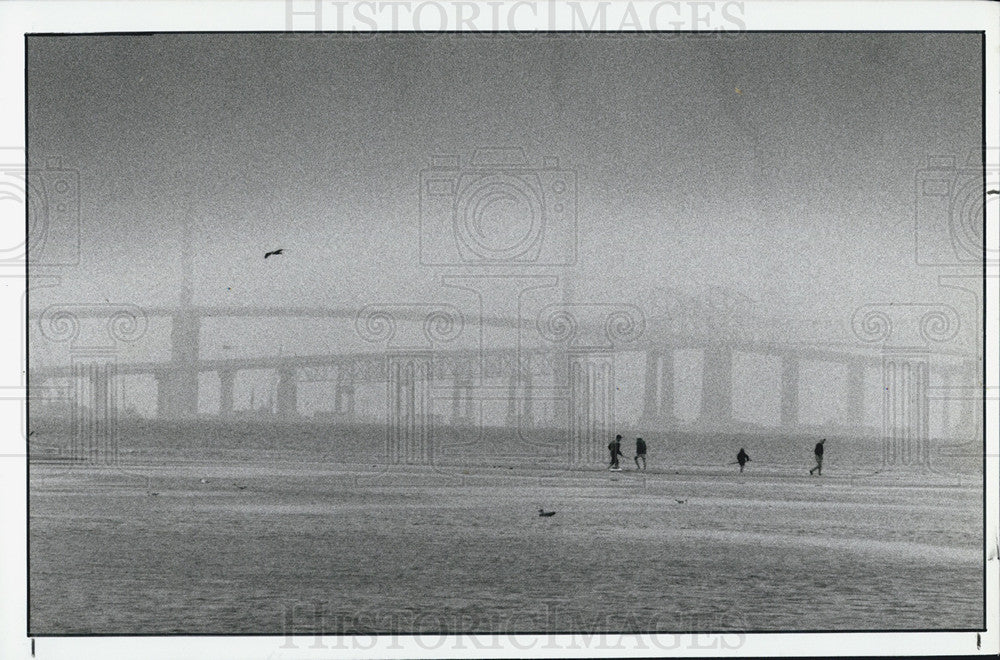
[[277, 545]]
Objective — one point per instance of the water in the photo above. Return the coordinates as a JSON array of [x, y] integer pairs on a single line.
[[325, 538]]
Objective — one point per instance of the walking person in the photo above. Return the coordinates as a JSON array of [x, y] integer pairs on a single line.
[[819, 458], [640, 452], [742, 458], [615, 447]]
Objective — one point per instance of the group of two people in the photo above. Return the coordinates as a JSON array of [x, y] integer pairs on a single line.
[[615, 448], [743, 458]]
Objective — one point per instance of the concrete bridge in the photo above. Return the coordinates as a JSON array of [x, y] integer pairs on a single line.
[[559, 355]]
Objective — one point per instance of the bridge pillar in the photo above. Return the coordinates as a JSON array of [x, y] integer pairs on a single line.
[[287, 393], [905, 411], [716, 379], [650, 396], [667, 385], [95, 418], [162, 394], [592, 404], [409, 428], [227, 378], [944, 385], [461, 393], [182, 390], [972, 401], [527, 406], [343, 396], [658, 400], [789, 390], [512, 420], [856, 395]]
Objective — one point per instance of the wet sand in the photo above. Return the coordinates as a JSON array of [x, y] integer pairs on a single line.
[[313, 546]]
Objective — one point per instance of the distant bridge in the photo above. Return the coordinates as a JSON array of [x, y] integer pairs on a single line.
[[570, 358]]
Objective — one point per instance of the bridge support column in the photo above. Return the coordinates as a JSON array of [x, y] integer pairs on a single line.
[[789, 390], [658, 401], [182, 390], [287, 393], [162, 395], [409, 426], [95, 418], [905, 411], [227, 378], [650, 395], [461, 393], [972, 402], [343, 397], [716, 385], [512, 417], [527, 405], [592, 404], [856, 395], [667, 385]]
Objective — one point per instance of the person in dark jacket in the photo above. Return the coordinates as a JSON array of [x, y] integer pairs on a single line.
[[819, 458], [615, 447], [742, 458], [640, 452]]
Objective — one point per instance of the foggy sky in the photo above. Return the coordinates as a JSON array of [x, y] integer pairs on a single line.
[[779, 166]]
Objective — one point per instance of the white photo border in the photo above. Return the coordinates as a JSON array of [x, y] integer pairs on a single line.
[[85, 16]]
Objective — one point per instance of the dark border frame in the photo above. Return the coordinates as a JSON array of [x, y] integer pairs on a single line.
[[708, 34]]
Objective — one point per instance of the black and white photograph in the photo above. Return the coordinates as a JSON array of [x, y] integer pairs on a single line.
[[619, 341]]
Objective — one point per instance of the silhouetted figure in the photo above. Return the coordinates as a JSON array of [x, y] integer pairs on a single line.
[[274, 252], [640, 452], [615, 447], [742, 458], [819, 458]]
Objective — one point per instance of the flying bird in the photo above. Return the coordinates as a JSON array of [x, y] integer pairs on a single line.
[[542, 513], [273, 252], [993, 192]]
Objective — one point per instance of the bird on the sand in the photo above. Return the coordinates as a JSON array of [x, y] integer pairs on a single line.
[[679, 501], [239, 486], [274, 252], [542, 513]]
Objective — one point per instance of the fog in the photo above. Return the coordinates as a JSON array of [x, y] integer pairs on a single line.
[[777, 170]]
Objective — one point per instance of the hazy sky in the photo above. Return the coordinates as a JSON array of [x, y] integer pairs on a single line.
[[779, 166], [798, 187]]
